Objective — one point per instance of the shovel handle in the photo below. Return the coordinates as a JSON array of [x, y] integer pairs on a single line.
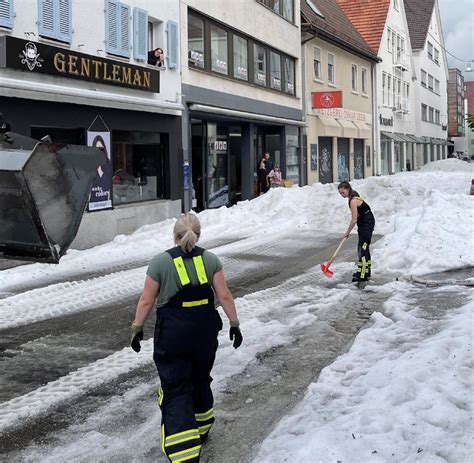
[[337, 251]]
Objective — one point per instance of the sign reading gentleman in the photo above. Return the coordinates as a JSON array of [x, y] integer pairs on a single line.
[[41, 58], [327, 99], [98, 135]]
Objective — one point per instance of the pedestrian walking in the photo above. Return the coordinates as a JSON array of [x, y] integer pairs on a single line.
[[361, 215], [183, 280]]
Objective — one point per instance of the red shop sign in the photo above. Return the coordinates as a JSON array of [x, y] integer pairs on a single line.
[[327, 99]]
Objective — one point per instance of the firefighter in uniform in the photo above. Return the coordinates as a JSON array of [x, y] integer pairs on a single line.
[[361, 215], [185, 338]]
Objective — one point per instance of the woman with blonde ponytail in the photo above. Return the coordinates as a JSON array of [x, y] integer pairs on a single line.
[[182, 281]]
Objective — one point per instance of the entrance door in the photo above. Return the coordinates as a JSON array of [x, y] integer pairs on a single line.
[[358, 158], [217, 166], [342, 159], [235, 164], [198, 147], [325, 159]]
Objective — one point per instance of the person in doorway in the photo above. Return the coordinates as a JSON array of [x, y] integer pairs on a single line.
[[361, 215], [184, 279], [268, 163], [262, 177], [275, 177]]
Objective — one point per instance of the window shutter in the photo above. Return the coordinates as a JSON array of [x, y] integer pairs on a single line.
[[124, 20], [173, 44], [140, 34], [47, 26], [111, 26], [65, 22], [6, 13]]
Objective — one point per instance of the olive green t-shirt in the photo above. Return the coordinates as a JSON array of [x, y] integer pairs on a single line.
[[163, 271]]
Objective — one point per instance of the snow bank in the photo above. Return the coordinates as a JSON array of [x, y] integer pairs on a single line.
[[448, 165], [403, 393]]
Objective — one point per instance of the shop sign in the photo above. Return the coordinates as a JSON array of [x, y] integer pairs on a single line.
[[341, 113], [386, 121], [34, 57], [327, 99]]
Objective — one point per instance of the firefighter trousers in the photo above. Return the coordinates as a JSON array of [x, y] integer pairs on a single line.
[[364, 229], [185, 345]]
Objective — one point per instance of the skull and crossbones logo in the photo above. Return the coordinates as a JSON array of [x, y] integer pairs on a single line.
[[31, 57]]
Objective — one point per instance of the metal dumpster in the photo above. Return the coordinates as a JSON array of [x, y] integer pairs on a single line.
[[44, 189]]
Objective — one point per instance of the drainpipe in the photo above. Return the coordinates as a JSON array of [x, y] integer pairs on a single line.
[[304, 157], [375, 123]]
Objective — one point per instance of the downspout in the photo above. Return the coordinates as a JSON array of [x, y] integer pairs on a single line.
[[303, 129], [375, 123]]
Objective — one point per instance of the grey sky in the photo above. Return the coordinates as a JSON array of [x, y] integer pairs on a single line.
[[457, 18]]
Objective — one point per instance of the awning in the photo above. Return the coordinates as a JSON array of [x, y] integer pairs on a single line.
[[393, 136], [244, 115], [413, 138], [349, 130], [364, 129], [436, 141], [449, 143], [329, 127], [404, 137]]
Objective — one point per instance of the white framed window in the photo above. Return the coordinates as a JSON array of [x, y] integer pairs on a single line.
[[436, 56], [399, 94], [363, 81], [396, 5], [389, 89], [430, 50], [384, 88], [436, 86], [275, 71], [430, 114], [423, 78], [394, 41], [430, 82], [389, 40], [424, 112], [331, 68], [437, 118], [354, 77], [317, 74], [6, 13]]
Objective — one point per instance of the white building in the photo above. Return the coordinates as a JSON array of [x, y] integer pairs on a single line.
[[65, 62], [431, 71]]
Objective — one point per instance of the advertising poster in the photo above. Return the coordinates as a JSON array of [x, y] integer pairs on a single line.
[[98, 135]]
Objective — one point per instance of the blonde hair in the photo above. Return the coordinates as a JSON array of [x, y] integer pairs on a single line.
[[186, 232]]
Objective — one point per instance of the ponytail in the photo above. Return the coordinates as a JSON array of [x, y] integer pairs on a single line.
[[186, 232]]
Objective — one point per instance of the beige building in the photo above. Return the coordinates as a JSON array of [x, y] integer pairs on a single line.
[[242, 92], [338, 67]]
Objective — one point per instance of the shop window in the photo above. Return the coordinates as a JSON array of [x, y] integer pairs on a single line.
[[317, 63], [196, 41], [117, 28], [217, 178], [331, 68], [260, 65], [54, 19], [138, 160], [140, 34], [289, 76], [354, 77], [6, 13], [275, 71], [219, 49], [240, 58]]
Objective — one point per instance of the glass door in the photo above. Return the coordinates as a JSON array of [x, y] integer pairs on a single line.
[[217, 166]]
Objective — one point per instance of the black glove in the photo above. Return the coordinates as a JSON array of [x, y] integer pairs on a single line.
[[137, 336], [235, 334]]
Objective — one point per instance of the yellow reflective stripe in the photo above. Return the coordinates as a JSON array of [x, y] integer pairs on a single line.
[[364, 268], [181, 269], [205, 415], [181, 437], [364, 246], [163, 439], [195, 303], [185, 455], [200, 270], [203, 429], [160, 396]]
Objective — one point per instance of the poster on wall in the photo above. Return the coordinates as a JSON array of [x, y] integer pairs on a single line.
[[98, 135], [314, 157]]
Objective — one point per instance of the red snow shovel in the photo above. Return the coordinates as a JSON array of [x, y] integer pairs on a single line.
[[325, 268]]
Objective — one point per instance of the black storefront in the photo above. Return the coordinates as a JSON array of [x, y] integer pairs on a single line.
[[144, 146]]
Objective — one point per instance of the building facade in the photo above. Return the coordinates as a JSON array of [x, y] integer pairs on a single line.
[[58, 79], [243, 96], [456, 111], [469, 98], [431, 77], [338, 69]]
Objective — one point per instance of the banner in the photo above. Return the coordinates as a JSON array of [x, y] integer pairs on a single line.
[[98, 135]]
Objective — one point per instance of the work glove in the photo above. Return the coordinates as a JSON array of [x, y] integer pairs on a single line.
[[137, 336], [235, 334]]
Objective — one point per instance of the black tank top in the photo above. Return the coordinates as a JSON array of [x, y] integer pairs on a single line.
[[363, 209]]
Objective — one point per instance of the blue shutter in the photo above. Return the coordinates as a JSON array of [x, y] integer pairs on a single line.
[[111, 26], [140, 34], [65, 21], [47, 26], [124, 20], [173, 44], [6, 13]]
